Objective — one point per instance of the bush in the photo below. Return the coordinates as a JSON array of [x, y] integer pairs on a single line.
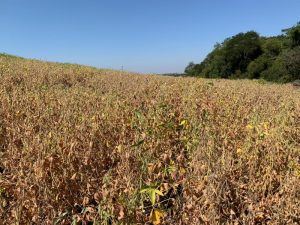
[[256, 67], [272, 46], [292, 61], [277, 72]]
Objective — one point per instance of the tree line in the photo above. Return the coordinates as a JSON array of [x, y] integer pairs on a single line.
[[249, 55]]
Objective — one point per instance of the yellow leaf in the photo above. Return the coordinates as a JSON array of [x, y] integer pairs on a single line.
[[239, 151], [182, 170], [158, 192], [156, 215], [249, 126], [183, 122], [119, 148]]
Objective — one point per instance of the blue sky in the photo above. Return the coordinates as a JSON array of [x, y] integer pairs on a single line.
[[149, 36]]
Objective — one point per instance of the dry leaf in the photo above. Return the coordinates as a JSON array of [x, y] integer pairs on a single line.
[[74, 176], [156, 216]]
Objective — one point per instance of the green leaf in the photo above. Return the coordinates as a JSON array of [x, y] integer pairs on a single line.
[[152, 196], [143, 190], [140, 142], [151, 193]]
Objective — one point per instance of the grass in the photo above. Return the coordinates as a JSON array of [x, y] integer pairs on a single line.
[[80, 145]]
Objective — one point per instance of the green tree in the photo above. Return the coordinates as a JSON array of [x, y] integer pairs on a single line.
[[190, 68], [277, 72], [273, 46], [292, 62], [257, 66], [232, 56], [241, 50], [293, 34], [247, 55]]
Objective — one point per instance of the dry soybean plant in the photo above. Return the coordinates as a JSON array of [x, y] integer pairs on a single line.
[[80, 145]]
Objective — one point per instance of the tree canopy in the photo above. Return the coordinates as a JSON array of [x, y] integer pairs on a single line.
[[249, 55]]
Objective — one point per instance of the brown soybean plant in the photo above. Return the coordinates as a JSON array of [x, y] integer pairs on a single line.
[[78, 144]]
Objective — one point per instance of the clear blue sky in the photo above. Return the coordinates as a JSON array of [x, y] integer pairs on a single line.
[[151, 36]]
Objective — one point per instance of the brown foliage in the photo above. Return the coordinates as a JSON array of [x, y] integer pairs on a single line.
[[78, 144]]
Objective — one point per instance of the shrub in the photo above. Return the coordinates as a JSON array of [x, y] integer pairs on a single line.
[[256, 67], [277, 72], [292, 62]]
